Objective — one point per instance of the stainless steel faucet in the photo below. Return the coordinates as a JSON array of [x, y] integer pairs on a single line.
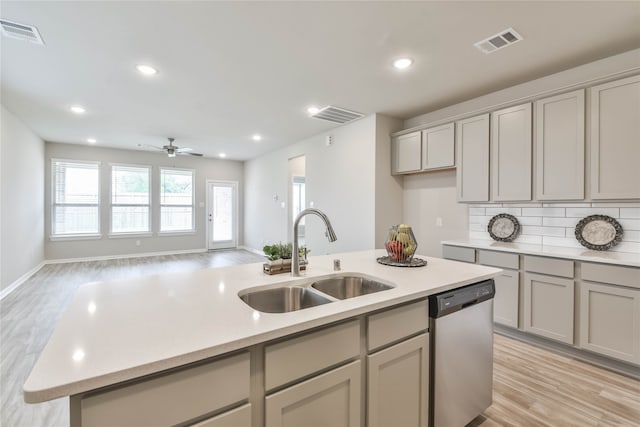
[[331, 235]]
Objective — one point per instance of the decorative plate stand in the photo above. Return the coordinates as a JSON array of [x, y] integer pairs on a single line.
[[598, 232], [503, 227]]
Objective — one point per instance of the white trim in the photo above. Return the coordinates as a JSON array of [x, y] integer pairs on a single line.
[[63, 237], [136, 255], [176, 233], [130, 235], [235, 185], [16, 284], [252, 250]]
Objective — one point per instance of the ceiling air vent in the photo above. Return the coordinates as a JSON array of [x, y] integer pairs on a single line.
[[498, 41], [21, 31], [336, 114]]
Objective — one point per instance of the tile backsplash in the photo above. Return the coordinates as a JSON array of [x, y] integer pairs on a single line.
[[554, 224]]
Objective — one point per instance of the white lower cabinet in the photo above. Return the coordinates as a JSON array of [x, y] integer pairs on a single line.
[[548, 306], [167, 399], [398, 384], [239, 417], [507, 298], [610, 320], [331, 399]]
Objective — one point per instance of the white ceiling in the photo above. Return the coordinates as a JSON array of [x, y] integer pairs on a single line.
[[232, 69]]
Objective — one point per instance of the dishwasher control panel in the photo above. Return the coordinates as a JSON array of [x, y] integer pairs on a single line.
[[457, 299]]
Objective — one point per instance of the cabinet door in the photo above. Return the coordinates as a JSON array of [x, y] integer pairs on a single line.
[[560, 147], [438, 147], [331, 400], [610, 320], [406, 153], [511, 154], [239, 417], [505, 303], [472, 158], [548, 306], [398, 378], [615, 132]]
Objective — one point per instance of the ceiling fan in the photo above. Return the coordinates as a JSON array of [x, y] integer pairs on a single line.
[[172, 150]]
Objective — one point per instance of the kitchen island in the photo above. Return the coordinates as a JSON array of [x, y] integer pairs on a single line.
[[192, 329]]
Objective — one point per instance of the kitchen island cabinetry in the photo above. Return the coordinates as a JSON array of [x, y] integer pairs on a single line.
[[330, 399]]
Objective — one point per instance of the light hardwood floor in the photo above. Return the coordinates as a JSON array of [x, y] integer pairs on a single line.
[[532, 386]]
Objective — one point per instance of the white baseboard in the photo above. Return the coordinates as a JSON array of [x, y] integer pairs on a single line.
[[253, 250], [16, 284], [137, 255]]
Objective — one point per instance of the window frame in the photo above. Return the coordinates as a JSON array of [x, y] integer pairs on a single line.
[[149, 205], [192, 230], [53, 236]]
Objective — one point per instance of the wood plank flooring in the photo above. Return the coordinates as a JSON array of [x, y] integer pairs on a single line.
[[532, 386]]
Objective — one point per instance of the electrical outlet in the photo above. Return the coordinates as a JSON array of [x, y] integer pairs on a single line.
[[138, 243], [439, 222]]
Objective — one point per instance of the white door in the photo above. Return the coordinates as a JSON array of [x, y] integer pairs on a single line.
[[222, 214]]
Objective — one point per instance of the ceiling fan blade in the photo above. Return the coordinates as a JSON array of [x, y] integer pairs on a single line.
[[186, 153], [182, 150]]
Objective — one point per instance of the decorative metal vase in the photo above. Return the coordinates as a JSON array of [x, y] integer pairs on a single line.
[[401, 244]]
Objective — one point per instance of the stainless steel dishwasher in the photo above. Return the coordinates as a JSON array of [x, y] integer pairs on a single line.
[[461, 364]]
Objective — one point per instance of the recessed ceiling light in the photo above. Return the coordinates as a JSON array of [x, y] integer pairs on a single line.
[[146, 70], [222, 155], [402, 63], [257, 137], [78, 109], [92, 140], [313, 110]]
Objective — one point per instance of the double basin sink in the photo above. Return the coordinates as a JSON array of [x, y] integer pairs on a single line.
[[313, 292]]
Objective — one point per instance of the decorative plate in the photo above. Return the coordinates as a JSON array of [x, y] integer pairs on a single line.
[[415, 262], [598, 232], [503, 227]]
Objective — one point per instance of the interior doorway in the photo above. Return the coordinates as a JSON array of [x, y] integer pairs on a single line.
[[222, 214], [297, 196]]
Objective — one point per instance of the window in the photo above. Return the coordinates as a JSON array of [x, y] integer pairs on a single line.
[[76, 198], [130, 199], [176, 200]]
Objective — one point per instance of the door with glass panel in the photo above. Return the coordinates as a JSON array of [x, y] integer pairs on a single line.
[[222, 214]]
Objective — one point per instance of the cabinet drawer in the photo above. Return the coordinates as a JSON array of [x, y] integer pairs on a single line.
[[172, 398], [552, 266], [498, 259], [618, 275], [298, 357], [237, 417], [397, 323], [457, 253]]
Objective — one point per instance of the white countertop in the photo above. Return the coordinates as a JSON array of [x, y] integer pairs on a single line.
[[608, 257], [120, 330]]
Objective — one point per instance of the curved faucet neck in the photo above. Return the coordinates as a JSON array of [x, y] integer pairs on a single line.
[[331, 236]]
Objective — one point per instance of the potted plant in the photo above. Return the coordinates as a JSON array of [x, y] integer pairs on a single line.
[[279, 254]]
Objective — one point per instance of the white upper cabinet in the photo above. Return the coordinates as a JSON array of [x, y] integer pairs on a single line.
[[406, 153], [560, 147], [438, 147], [511, 154], [615, 140], [472, 152]]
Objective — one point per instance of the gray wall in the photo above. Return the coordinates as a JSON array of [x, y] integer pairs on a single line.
[[349, 180], [205, 168], [21, 199], [432, 195]]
